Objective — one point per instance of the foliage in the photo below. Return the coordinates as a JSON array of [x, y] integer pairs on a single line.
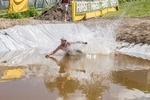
[[2, 13], [124, 1], [14, 15], [31, 12], [131, 9]]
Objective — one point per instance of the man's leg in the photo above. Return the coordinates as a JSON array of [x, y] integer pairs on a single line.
[[63, 13], [79, 51], [66, 10], [65, 16]]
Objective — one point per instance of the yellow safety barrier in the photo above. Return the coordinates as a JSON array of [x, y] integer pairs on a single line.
[[18, 6], [91, 14], [74, 16]]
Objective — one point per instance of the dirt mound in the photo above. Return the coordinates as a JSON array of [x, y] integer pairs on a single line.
[[54, 13], [135, 31]]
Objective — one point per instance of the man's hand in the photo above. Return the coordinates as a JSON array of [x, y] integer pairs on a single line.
[[84, 42], [47, 56]]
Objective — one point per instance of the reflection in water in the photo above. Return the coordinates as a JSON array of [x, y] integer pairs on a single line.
[[88, 77], [90, 89], [64, 86], [69, 86], [123, 62], [94, 88], [65, 63], [139, 79], [9, 73]]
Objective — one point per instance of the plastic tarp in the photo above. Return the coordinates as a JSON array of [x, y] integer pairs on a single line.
[[47, 37], [18, 5]]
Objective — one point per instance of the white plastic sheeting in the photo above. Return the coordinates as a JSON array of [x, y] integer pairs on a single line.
[[47, 37], [25, 57], [136, 50]]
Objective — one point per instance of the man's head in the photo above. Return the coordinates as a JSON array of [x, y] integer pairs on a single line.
[[63, 40]]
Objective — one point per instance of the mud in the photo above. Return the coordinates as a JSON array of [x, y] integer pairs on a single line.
[[54, 13], [7, 23], [134, 31]]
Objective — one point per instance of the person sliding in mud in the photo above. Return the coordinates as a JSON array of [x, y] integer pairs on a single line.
[[64, 46]]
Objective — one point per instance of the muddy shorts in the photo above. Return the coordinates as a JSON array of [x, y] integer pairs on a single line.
[[74, 52], [65, 6]]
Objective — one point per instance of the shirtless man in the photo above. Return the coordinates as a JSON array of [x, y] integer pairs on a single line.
[[63, 46]]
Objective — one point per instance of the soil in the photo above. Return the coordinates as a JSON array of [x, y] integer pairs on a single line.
[[7, 23], [54, 13], [134, 31]]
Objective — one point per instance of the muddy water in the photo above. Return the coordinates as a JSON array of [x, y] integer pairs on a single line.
[[87, 77]]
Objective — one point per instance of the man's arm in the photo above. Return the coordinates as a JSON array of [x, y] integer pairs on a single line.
[[53, 52], [78, 42]]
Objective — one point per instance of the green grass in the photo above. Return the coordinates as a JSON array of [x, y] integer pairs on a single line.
[[31, 12], [131, 9], [139, 8], [3, 12]]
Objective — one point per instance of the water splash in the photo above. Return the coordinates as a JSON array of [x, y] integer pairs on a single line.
[[47, 37]]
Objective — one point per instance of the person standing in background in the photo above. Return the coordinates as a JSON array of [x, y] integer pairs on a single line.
[[65, 5]]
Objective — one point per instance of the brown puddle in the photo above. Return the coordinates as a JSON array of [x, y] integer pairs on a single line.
[[90, 77]]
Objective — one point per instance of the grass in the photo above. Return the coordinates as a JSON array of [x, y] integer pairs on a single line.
[[3, 12], [131, 9], [31, 12], [139, 8]]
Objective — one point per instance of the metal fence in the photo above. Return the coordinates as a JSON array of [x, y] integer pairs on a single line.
[[39, 4], [4, 4]]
